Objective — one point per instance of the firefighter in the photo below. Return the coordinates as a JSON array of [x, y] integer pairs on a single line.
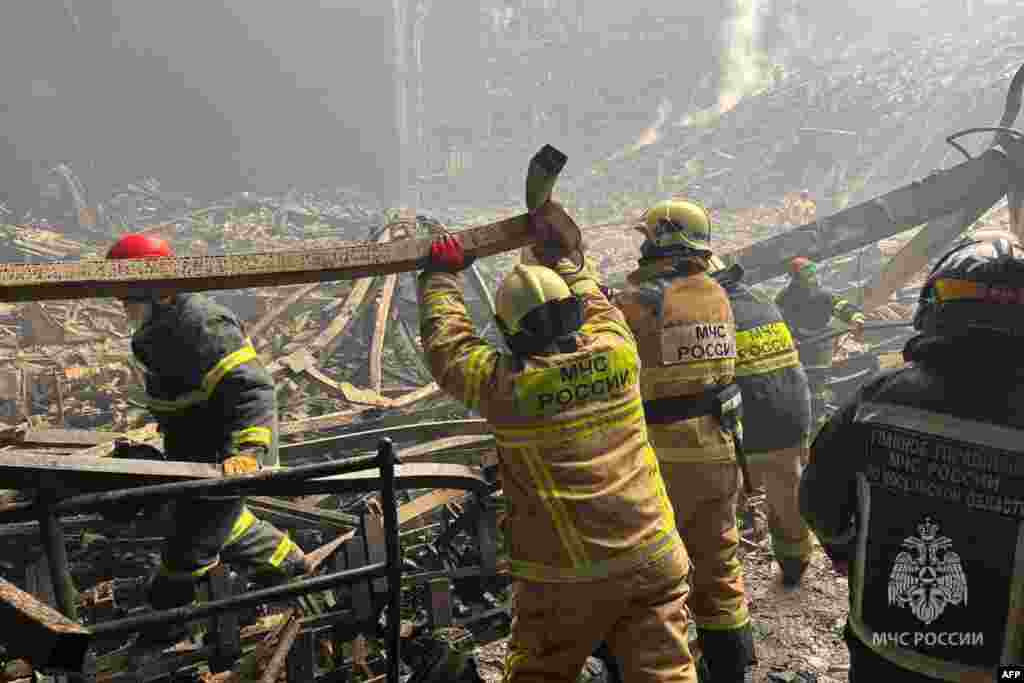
[[808, 310], [590, 530], [214, 403], [806, 209], [776, 415], [686, 334], [911, 484]]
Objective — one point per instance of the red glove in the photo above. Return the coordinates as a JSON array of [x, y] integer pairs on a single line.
[[447, 255]]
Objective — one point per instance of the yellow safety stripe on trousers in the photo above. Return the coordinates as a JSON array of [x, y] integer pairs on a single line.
[[244, 522], [543, 433], [260, 436], [281, 552], [724, 622], [207, 385], [801, 550], [652, 551], [544, 484], [479, 368], [513, 660]]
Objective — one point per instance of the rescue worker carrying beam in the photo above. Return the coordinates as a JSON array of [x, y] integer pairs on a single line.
[[776, 415], [808, 309], [686, 334], [914, 488], [215, 404], [590, 529]]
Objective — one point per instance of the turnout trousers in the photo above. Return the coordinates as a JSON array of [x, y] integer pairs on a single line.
[[704, 497], [641, 615], [205, 531], [777, 474]]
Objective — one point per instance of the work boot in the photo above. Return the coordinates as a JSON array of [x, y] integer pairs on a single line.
[[728, 654], [793, 569]]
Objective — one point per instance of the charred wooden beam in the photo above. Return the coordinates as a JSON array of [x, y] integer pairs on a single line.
[[38, 633], [978, 182], [82, 473]]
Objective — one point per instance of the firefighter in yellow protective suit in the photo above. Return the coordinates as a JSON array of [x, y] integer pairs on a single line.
[[686, 334], [590, 530]]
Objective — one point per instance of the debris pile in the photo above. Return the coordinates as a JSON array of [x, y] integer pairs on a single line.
[[846, 129]]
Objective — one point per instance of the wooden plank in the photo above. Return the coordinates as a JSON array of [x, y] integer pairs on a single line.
[[322, 346], [916, 253], [257, 328], [440, 445], [82, 473], [981, 181], [88, 279], [427, 503], [379, 329], [65, 437], [423, 476]]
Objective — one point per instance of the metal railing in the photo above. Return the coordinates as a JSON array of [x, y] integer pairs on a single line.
[[297, 481]]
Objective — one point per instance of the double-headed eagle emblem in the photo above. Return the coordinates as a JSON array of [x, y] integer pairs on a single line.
[[927, 576]]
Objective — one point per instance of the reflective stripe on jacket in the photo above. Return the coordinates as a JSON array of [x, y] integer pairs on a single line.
[[686, 335], [205, 384], [586, 497], [776, 396]]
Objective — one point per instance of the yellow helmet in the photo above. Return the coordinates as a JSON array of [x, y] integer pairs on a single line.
[[525, 289], [677, 223]]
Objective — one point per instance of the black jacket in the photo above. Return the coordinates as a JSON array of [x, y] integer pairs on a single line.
[[776, 397], [919, 482], [205, 384], [809, 309]]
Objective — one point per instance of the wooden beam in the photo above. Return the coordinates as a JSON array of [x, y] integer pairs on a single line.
[[387, 293], [257, 328], [979, 182], [89, 279], [84, 473]]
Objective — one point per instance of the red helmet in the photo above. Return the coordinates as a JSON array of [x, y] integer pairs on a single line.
[[798, 264], [138, 245]]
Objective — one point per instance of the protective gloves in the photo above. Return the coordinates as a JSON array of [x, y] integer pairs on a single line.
[[447, 256], [241, 463]]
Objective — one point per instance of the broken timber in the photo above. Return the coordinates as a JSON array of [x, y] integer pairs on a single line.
[[103, 278], [979, 182]]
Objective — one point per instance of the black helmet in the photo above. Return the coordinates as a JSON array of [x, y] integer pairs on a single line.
[[977, 285]]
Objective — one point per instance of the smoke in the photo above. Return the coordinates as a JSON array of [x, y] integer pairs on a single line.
[[743, 67], [653, 132]]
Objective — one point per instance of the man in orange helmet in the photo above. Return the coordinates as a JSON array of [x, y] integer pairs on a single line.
[[808, 310], [214, 403]]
